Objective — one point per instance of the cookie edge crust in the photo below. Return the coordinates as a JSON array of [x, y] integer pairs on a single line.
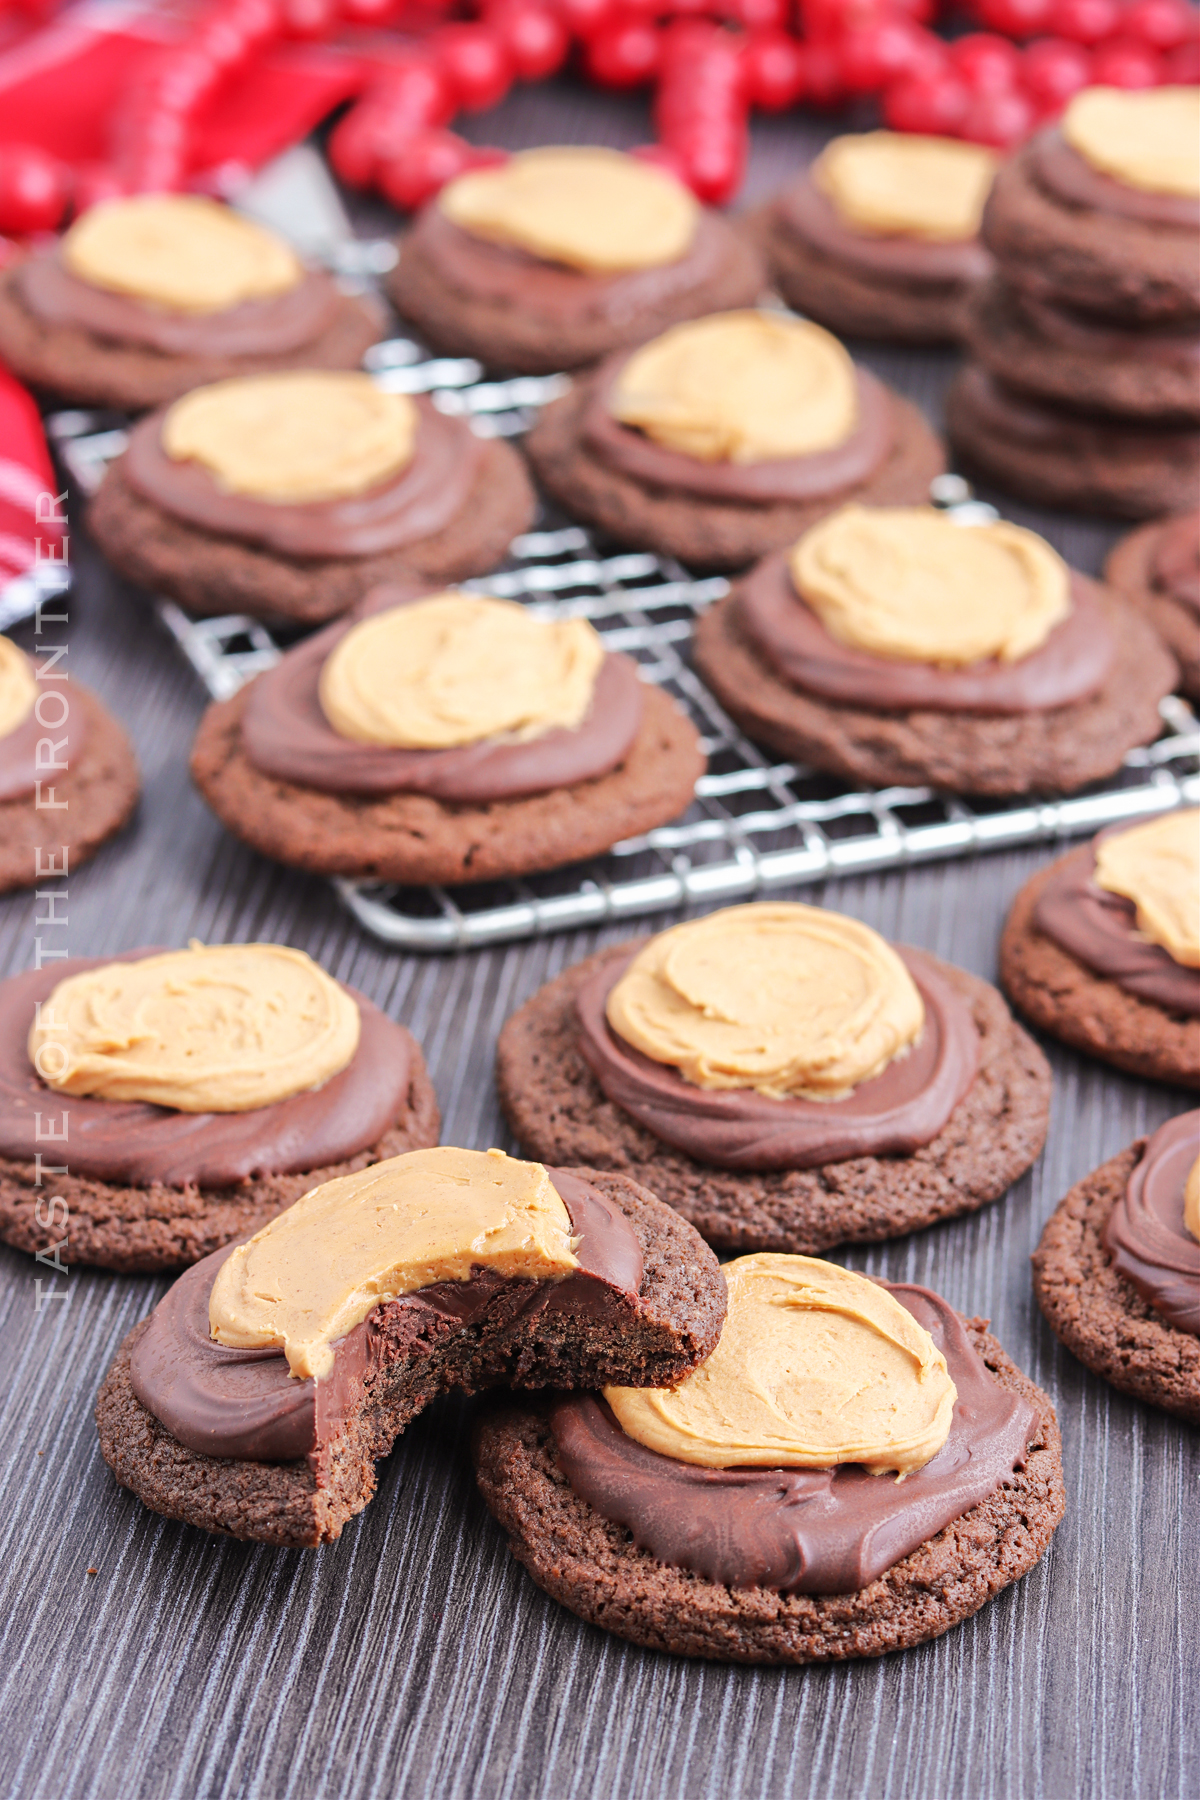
[[109, 763]]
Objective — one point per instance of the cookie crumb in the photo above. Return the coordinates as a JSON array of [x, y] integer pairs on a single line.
[[93, 1570]]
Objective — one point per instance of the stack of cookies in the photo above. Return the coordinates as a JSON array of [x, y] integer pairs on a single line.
[[1084, 388]]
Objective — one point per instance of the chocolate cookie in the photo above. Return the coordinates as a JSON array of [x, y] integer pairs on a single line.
[[1057, 749], [1098, 1314], [211, 574], [99, 791], [1087, 1010], [87, 369], [415, 839], [710, 532], [1056, 353], [593, 1566], [1173, 611], [557, 1111], [425, 1348], [1118, 265], [1090, 462]]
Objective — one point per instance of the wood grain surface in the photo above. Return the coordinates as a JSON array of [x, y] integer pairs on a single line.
[[140, 1658]]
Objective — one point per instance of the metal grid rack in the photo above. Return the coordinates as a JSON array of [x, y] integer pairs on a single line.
[[755, 824]]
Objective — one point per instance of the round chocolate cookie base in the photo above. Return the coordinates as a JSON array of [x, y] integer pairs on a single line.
[[212, 575], [1054, 751], [857, 305], [709, 533], [1130, 570], [594, 1568], [414, 839], [681, 1305], [75, 366], [1101, 1317], [1088, 1011], [1005, 340], [143, 1230], [1125, 268], [559, 1113], [1086, 462], [98, 792], [514, 337]]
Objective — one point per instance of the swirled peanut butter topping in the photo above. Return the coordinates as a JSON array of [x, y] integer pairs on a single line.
[[223, 1028], [1191, 1200], [789, 1000], [457, 669], [815, 1366], [594, 210], [1149, 139], [1157, 866], [740, 387], [907, 582], [318, 435], [179, 251], [18, 686], [344, 1248], [893, 184]]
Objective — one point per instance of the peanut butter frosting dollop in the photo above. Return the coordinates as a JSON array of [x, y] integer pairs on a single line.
[[906, 582], [18, 686], [591, 209], [1149, 139], [1191, 1200], [1157, 866], [459, 669], [815, 1366], [293, 437], [740, 387], [894, 184], [179, 251], [221, 1028], [789, 1000], [346, 1247]]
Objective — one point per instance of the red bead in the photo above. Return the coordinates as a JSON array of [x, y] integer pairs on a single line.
[[756, 15], [534, 36], [823, 75], [475, 63], [624, 53], [309, 20], [33, 189], [1182, 66], [423, 167], [1085, 21], [415, 88], [1052, 69], [1124, 63], [988, 64], [773, 69], [353, 147], [583, 18], [1000, 120], [829, 19], [874, 56], [1163, 24], [1016, 18], [934, 105]]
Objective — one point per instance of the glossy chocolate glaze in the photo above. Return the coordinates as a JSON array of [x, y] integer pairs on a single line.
[[1175, 568], [1072, 663], [796, 478], [1099, 930], [273, 327], [128, 1141], [286, 734], [917, 262], [1145, 1234], [415, 504], [1065, 175], [244, 1403], [801, 1531], [892, 1114], [477, 268], [19, 771]]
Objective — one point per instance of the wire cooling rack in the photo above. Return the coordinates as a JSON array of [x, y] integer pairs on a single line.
[[755, 824]]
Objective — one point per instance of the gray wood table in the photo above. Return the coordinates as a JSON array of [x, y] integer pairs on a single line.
[[414, 1657]]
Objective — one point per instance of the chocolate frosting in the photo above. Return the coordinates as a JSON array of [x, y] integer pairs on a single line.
[[286, 734], [1068, 177], [19, 772], [1072, 663], [1175, 568], [274, 327], [793, 478], [130, 1141], [415, 504], [1145, 1234], [892, 1114], [244, 1404], [502, 273], [802, 1531], [811, 215], [1099, 930]]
